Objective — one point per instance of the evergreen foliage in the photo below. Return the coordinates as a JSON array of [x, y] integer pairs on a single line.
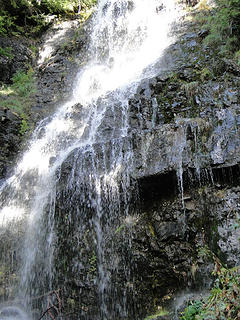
[[28, 17], [224, 27], [7, 52]]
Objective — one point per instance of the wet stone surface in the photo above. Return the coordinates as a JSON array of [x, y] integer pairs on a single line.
[[184, 131]]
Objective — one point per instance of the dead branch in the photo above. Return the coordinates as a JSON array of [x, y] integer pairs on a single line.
[[45, 312]]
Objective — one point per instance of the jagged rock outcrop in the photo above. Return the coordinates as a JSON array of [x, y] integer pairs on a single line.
[[9, 139], [184, 132], [61, 53], [18, 57]]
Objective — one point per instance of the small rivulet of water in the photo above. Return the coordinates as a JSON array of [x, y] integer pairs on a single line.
[[89, 133]]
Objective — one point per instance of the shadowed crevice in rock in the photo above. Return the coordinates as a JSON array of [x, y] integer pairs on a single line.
[[162, 186], [165, 186]]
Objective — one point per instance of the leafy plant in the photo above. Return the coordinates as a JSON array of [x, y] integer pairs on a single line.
[[7, 52], [237, 57], [192, 310], [203, 5], [24, 125], [223, 301]]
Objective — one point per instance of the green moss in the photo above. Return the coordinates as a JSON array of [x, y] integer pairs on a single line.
[[24, 126], [205, 253], [237, 57], [205, 74], [151, 229], [159, 313], [120, 228], [7, 52], [71, 303], [93, 263]]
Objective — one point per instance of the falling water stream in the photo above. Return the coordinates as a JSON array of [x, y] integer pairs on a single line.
[[127, 38]]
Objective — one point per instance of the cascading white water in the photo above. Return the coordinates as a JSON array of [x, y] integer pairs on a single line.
[[127, 37]]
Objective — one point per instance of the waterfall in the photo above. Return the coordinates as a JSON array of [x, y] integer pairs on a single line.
[[91, 130]]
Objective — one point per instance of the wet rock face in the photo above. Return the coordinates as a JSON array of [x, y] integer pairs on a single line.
[[189, 114], [186, 124], [207, 135], [176, 247], [223, 207], [62, 49], [184, 131], [10, 139], [19, 58], [90, 235]]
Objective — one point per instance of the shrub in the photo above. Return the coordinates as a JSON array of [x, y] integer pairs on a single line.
[[224, 26], [6, 23], [23, 83], [29, 16], [237, 57], [7, 52], [223, 301], [18, 97]]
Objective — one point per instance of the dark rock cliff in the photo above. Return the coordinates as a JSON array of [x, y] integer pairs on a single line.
[[184, 130], [9, 138]]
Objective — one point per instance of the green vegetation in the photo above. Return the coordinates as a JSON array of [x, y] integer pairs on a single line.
[[93, 263], [205, 74], [6, 22], [223, 301], [206, 254], [190, 89], [23, 83], [7, 52], [31, 17], [120, 228], [160, 313], [223, 25], [193, 310], [18, 96]]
